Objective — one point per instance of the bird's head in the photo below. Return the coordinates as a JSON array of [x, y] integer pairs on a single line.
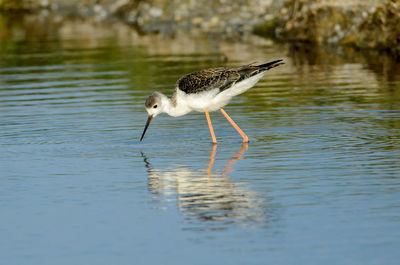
[[154, 106]]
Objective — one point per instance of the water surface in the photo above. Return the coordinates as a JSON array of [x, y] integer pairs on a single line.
[[317, 184]]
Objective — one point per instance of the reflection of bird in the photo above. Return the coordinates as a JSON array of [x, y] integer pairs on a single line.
[[206, 196], [207, 90]]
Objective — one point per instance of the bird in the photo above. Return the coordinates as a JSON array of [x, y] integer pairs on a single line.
[[206, 91]]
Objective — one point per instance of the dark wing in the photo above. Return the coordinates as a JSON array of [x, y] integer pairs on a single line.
[[208, 79], [250, 70], [220, 78]]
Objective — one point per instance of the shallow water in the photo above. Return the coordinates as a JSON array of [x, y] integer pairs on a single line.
[[319, 182]]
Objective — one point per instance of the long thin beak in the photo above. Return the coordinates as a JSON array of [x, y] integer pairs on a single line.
[[146, 126]]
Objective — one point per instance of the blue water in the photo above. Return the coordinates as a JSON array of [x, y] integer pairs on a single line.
[[319, 182]]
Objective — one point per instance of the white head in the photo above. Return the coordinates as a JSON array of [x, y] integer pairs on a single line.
[[155, 104]]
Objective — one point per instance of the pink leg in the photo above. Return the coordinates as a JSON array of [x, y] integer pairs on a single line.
[[245, 138], [211, 162], [214, 140]]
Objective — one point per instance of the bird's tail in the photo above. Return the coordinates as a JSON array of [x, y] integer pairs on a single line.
[[270, 65]]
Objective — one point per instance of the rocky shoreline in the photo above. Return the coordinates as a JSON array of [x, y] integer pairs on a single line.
[[363, 24]]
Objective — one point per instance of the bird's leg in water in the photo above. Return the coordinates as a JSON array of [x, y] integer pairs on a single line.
[[245, 138], [211, 128]]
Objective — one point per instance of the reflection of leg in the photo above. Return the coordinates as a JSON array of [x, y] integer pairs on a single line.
[[211, 128], [245, 138], [211, 162], [236, 156], [147, 163]]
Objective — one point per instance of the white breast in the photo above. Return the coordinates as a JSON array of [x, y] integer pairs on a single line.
[[204, 101]]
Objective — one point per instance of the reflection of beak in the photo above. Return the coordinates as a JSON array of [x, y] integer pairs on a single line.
[[147, 125]]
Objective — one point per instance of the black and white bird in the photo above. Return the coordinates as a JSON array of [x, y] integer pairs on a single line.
[[207, 90]]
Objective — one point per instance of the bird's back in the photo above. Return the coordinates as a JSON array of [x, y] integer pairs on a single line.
[[221, 78]]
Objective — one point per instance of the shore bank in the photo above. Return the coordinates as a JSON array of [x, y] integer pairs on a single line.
[[367, 24]]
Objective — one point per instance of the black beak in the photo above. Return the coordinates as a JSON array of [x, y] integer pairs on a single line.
[[146, 126]]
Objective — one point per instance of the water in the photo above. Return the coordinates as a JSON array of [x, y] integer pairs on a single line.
[[317, 184]]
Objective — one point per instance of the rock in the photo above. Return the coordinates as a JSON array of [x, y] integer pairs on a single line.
[[362, 24]]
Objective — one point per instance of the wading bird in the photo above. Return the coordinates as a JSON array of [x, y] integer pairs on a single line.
[[207, 90]]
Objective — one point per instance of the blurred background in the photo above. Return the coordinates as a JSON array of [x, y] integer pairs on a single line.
[[354, 23]]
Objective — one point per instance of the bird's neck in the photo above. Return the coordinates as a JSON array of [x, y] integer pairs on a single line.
[[174, 107]]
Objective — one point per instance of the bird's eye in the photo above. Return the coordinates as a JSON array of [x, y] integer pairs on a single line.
[[155, 106]]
